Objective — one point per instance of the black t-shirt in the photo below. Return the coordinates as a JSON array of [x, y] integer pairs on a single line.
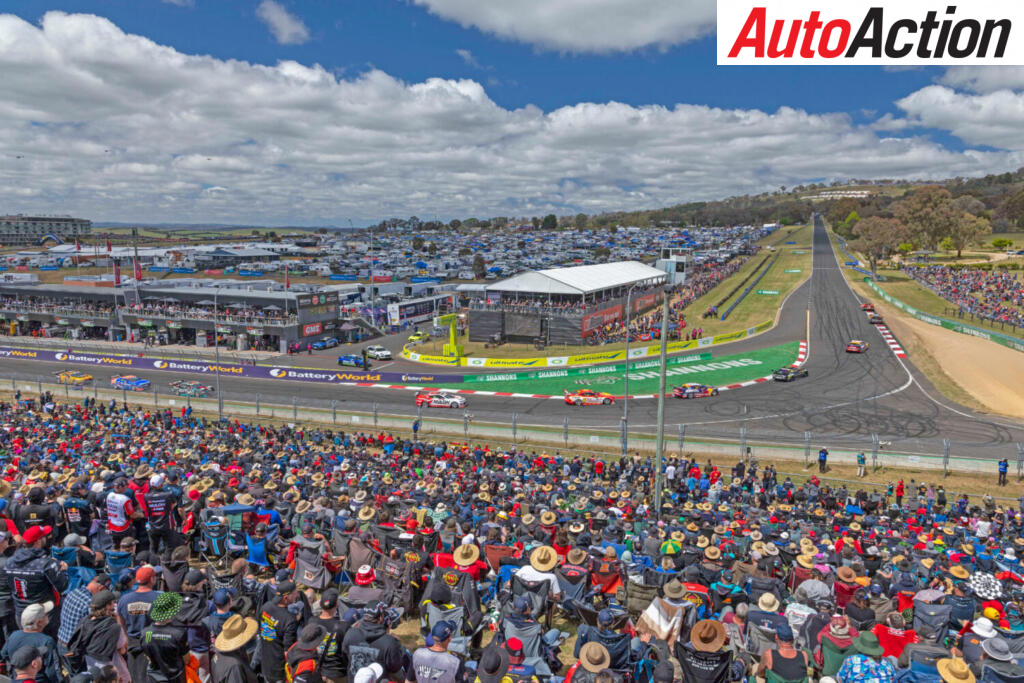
[[166, 647], [278, 630], [334, 663], [160, 505]]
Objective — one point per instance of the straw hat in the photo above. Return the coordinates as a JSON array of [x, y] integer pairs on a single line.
[[576, 556], [594, 657], [235, 633], [547, 518], [544, 558], [707, 635], [958, 571], [245, 499], [846, 574], [365, 513], [712, 553], [528, 519], [805, 561], [954, 670], [466, 554], [768, 602], [674, 590], [703, 542], [303, 506]]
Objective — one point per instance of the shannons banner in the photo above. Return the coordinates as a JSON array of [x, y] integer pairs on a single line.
[[891, 33], [616, 369], [199, 367], [954, 325]]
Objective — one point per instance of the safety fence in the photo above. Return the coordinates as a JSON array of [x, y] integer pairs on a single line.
[[751, 286], [938, 456], [1009, 342], [588, 358]]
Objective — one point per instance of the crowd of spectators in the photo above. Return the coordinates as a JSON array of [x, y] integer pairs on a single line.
[[140, 545], [996, 295]]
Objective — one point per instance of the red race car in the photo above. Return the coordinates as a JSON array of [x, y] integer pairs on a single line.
[[856, 346], [869, 307], [588, 397]]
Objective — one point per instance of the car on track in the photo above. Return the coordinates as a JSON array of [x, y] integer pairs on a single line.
[[875, 319], [868, 307], [378, 352], [129, 382], [440, 399], [694, 390], [328, 343], [789, 374], [190, 388], [73, 377], [417, 337], [351, 360], [856, 346], [588, 397]]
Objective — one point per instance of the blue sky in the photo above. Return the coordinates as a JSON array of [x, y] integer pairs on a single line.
[[450, 80]]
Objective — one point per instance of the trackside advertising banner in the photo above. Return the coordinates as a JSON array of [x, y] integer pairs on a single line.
[[578, 372], [889, 33], [136, 365]]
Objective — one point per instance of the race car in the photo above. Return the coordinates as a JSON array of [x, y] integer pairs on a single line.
[[856, 346], [328, 343], [351, 360], [191, 388], [875, 319], [588, 397], [417, 337], [73, 377], [789, 374], [869, 307], [129, 382], [378, 352], [440, 399], [692, 390]]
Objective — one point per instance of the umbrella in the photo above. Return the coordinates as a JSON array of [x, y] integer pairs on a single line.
[[985, 586], [271, 307], [348, 327], [237, 305], [169, 300], [150, 298], [204, 302]]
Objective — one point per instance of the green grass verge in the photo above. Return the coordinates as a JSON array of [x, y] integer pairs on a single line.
[[718, 371]]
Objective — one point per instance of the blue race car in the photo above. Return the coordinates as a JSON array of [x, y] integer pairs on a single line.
[[351, 360], [129, 382], [322, 344]]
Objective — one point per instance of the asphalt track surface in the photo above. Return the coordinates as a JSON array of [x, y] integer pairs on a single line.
[[845, 399]]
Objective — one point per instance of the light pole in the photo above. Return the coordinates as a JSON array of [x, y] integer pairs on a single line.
[[216, 354], [625, 399]]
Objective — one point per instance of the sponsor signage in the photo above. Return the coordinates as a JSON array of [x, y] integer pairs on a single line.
[[250, 273], [214, 271], [793, 270], [311, 329], [799, 251], [768, 292], [578, 372], [595, 320], [49, 268], [159, 269], [889, 33], [424, 280], [382, 278], [183, 271], [343, 277]]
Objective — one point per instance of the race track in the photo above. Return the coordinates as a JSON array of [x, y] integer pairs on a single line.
[[846, 398]]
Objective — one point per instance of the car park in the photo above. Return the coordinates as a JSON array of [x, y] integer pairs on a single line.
[[129, 382], [789, 374]]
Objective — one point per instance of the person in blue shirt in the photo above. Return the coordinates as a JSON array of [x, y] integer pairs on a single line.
[[1004, 467]]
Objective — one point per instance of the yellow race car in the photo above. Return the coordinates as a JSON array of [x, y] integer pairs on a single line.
[[73, 377]]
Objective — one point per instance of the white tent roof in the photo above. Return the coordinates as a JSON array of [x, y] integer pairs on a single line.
[[579, 279]]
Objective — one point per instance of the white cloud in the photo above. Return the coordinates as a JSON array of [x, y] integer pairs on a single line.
[[286, 27], [984, 79], [994, 119], [114, 126], [468, 58], [180, 3], [584, 25]]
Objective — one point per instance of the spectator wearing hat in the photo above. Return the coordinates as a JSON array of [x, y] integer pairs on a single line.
[[542, 561], [703, 659], [493, 666], [433, 663], [223, 602], [34, 619], [925, 649], [100, 640], [616, 644], [165, 644], [302, 660], [27, 663], [866, 664], [592, 660], [784, 660], [467, 559], [76, 608], [365, 590], [997, 657], [518, 668], [279, 630], [373, 631], [162, 515], [334, 666], [954, 670], [40, 577], [231, 660], [972, 639], [133, 614]]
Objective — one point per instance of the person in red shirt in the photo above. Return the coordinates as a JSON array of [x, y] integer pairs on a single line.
[[893, 636], [467, 559]]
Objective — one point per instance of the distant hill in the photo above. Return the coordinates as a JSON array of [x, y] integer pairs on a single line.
[[215, 227]]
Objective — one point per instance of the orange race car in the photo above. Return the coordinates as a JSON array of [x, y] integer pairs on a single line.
[[588, 397]]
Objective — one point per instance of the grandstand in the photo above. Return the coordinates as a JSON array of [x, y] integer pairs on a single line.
[[563, 305]]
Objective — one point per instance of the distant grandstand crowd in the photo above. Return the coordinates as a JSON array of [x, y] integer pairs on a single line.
[[993, 295]]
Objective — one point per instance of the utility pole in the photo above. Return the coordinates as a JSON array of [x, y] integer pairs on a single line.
[[216, 353], [660, 447], [625, 399]]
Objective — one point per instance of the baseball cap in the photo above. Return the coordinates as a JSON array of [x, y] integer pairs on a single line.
[[145, 573], [329, 599], [102, 599], [605, 617], [156, 480], [442, 630], [514, 646], [221, 597], [72, 540], [33, 612], [285, 587], [34, 533], [784, 633], [103, 580], [24, 656], [194, 577]]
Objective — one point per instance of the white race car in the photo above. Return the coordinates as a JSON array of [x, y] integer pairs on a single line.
[[440, 399]]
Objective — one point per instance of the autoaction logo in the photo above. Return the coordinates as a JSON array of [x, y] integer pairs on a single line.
[[904, 33]]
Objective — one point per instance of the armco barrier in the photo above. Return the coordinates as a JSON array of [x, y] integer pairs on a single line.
[[199, 367], [578, 372], [953, 325], [588, 358]]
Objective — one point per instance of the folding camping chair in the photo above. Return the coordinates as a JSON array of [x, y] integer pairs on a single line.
[[117, 561]]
